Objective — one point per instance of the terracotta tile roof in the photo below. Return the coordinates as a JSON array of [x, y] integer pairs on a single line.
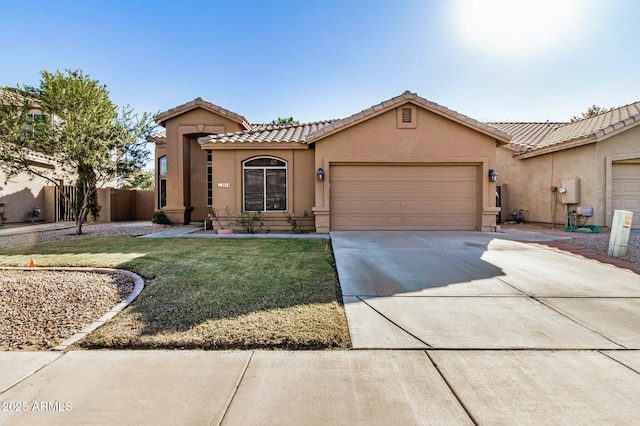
[[540, 138], [158, 138], [529, 139], [526, 135], [597, 126], [200, 103], [312, 132], [407, 97], [268, 133]]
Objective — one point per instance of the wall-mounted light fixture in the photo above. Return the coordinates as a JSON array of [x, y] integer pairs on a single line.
[[320, 174], [493, 175]]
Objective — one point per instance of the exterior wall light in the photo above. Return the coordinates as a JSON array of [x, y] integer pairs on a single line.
[[320, 174], [493, 175]]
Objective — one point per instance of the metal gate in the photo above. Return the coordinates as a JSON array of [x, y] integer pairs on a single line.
[[64, 203]]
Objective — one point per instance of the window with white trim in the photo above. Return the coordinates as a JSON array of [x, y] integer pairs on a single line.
[[264, 184]]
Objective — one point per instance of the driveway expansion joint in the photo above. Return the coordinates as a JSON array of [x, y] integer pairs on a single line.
[[31, 373], [567, 316], [451, 389], [235, 389], [618, 361], [393, 322]]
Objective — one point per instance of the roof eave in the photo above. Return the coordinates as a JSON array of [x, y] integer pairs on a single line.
[[252, 145], [408, 97], [160, 139], [165, 116], [557, 147], [42, 160], [597, 136]]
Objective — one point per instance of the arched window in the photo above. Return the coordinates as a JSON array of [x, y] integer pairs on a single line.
[[265, 184]]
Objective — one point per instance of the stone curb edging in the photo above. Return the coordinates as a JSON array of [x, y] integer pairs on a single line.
[[137, 289]]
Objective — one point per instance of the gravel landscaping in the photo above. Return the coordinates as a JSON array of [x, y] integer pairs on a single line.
[[41, 309], [66, 231], [600, 245]]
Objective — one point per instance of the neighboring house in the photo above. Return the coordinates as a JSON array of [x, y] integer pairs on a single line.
[[406, 163], [22, 194], [596, 160]]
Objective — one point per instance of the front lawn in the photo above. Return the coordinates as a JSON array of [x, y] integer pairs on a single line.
[[211, 293]]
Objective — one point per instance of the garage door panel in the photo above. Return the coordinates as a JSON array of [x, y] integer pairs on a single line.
[[456, 205], [625, 187], [397, 197], [631, 187]]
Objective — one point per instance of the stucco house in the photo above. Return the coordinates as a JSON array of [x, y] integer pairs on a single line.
[[406, 163], [591, 166], [24, 195]]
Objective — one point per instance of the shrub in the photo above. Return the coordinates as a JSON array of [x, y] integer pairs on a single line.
[[295, 226], [161, 218], [249, 221]]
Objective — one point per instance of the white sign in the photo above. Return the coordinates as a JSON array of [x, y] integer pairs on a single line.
[[224, 185]]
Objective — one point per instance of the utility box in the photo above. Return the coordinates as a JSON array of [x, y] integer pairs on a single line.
[[584, 211], [620, 229], [571, 193]]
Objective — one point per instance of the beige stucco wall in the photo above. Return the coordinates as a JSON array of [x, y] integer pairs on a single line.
[[435, 140], [124, 205], [20, 194], [529, 181], [380, 139], [184, 157], [187, 172], [227, 169]]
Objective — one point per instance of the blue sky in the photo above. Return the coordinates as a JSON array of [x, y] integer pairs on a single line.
[[493, 60]]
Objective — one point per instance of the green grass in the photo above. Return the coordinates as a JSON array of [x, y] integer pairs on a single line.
[[211, 293]]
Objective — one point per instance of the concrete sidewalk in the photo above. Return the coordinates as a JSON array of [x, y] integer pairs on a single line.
[[330, 387]]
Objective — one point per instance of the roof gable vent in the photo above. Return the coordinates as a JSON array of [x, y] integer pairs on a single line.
[[406, 116]]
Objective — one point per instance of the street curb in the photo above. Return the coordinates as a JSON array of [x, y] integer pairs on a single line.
[[137, 289]]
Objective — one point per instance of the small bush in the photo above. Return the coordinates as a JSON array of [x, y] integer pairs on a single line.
[[295, 226], [161, 218], [249, 221]]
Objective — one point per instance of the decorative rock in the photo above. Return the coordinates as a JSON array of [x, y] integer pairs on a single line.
[[40, 308]]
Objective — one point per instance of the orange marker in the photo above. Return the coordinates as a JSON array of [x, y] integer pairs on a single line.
[[32, 264]]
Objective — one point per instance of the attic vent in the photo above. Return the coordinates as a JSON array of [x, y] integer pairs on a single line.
[[406, 115]]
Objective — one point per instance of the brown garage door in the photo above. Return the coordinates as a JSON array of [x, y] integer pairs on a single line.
[[626, 190], [404, 197]]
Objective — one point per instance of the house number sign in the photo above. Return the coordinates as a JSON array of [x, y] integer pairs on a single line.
[[224, 185]]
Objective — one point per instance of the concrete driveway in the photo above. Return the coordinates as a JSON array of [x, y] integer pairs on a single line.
[[472, 290]]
